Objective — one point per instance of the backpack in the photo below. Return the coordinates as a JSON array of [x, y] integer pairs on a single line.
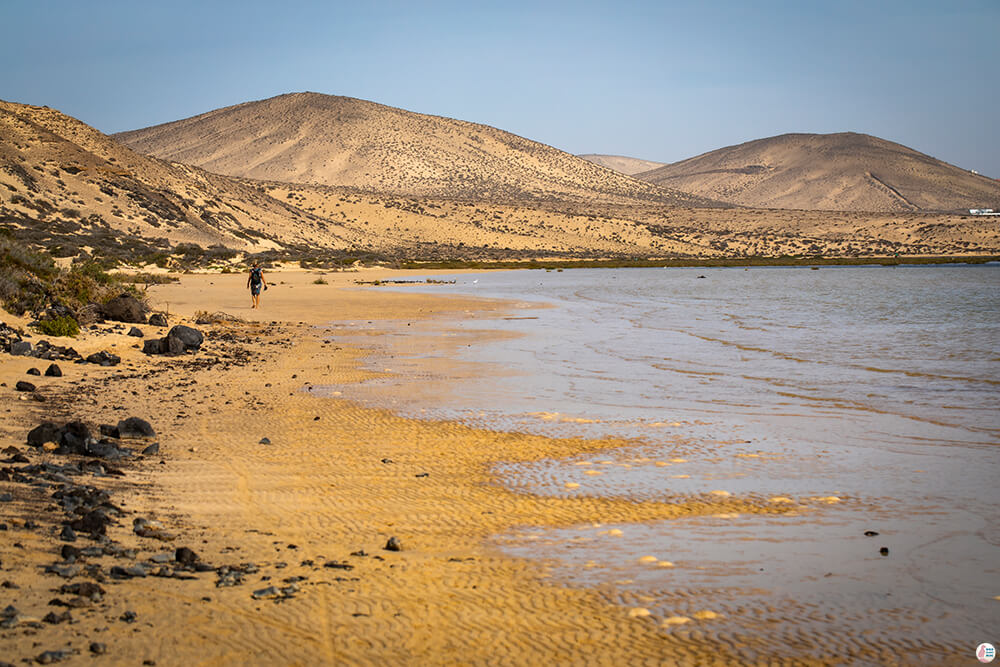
[[256, 276]]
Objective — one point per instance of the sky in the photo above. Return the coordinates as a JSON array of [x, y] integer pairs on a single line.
[[658, 80]]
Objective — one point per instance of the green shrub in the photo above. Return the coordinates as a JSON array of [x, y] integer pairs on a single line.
[[59, 326], [320, 281]]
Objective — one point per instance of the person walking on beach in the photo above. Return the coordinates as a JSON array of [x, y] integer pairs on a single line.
[[255, 282]]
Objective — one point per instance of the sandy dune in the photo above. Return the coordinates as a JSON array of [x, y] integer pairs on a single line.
[[842, 172]]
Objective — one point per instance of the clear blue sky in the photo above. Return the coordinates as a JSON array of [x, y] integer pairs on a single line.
[[657, 80]]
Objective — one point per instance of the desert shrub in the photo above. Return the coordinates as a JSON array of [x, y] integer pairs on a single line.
[[320, 281], [146, 278], [58, 326]]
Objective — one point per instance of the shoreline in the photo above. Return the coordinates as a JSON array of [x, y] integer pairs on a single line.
[[336, 480]]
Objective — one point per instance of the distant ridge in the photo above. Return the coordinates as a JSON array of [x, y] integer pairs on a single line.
[[843, 172], [310, 138], [626, 165]]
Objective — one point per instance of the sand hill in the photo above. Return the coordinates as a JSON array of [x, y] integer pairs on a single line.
[[319, 139], [626, 165], [842, 172]]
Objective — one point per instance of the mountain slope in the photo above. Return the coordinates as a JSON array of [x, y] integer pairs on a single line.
[[310, 138], [65, 174], [845, 172], [626, 165]]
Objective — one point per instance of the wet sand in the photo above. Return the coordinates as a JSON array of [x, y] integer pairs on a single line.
[[336, 480]]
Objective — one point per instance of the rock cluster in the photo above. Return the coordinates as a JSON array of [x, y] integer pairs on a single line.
[[178, 340]]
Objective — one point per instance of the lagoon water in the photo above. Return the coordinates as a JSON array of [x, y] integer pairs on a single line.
[[870, 396]]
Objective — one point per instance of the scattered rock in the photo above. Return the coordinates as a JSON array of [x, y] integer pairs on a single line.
[[185, 556], [334, 565], [84, 589], [33, 371], [67, 534], [154, 346], [393, 545], [152, 449], [109, 431], [53, 618], [124, 308], [6, 498], [188, 338], [135, 428], [48, 657], [129, 617], [884, 551], [158, 320], [53, 371], [152, 529], [264, 441], [20, 348], [266, 593], [104, 358], [135, 332], [870, 533], [97, 648], [24, 386]]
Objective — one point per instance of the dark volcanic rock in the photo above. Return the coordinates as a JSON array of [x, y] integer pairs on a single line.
[[190, 338], [45, 432], [20, 348], [135, 332], [73, 438], [53, 371], [393, 545], [97, 648], [109, 431], [94, 522], [125, 308], [154, 346], [152, 450], [158, 320], [24, 386], [104, 359], [134, 427], [185, 556], [67, 535], [34, 371]]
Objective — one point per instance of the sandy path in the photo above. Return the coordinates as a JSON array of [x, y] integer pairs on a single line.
[[321, 491]]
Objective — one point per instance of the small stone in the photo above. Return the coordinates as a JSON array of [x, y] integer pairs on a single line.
[[158, 320], [53, 618], [152, 449], [44, 432], [24, 386], [884, 551], [135, 428], [34, 371], [104, 358], [266, 593], [264, 441], [97, 648], [135, 332], [48, 657], [393, 545], [128, 617], [67, 534], [6, 498], [53, 371], [870, 533], [185, 556]]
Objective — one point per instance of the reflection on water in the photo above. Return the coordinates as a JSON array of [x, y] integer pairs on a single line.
[[876, 385]]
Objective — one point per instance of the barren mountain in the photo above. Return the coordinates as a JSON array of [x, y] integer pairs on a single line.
[[319, 139], [843, 172], [65, 174], [66, 186], [626, 165]]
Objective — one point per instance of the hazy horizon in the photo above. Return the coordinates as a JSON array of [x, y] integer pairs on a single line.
[[655, 81]]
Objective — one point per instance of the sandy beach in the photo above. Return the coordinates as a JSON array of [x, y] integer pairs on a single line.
[[311, 512]]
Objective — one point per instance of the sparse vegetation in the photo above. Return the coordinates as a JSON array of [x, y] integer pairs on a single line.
[[63, 325], [320, 281]]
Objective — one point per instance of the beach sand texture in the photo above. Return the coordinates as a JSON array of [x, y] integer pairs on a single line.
[[336, 479]]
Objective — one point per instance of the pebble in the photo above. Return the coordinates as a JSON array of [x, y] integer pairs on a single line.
[[97, 648], [34, 371], [884, 551], [676, 620], [24, 386], [870, 533], [393, 545], [53, 371], [264, 441]]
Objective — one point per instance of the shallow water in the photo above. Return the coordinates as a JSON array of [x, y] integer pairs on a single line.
[[876, 385]]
